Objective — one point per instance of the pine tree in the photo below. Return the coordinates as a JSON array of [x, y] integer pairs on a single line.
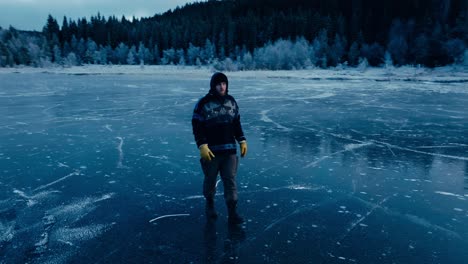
[[169, 56], [398, 45], [51, 32], [193, 53], [131, 57], [353, 54], [337, 50], [420, 49], [102, 55], [121, 53], [156, 55], [65, 34], [208, 52], [431, 33], [57, 53], [321, 48], [91, 52], [374, 54]]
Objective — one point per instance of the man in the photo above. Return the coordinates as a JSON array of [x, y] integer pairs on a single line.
[[216, 127]]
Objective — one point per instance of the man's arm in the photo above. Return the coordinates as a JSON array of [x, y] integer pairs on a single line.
[[198, 125], [240, 136], [238, 132]]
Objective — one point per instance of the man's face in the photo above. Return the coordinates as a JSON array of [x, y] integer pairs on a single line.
[[221, 88]]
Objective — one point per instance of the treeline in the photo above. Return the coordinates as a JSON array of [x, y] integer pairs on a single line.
[[255, 34]]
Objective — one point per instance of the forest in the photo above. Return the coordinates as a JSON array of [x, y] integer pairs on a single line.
[[254, 34]]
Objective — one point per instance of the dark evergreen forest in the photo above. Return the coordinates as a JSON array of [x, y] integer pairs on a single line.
[[253, 34]]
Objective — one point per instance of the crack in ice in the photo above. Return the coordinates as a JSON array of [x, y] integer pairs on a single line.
[[412, 218], [165, 216], [75, 173], [349, 147], [265, 118], [121, 154], [357, 222], [420, 152]]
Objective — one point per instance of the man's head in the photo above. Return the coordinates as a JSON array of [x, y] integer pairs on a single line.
[[219, 84]]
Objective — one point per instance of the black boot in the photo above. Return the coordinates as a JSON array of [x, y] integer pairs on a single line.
[[233, 216], [210, 211]]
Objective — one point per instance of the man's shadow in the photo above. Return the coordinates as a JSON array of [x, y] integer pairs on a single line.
[[231, 246]]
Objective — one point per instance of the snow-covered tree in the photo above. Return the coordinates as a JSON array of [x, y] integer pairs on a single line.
[[337, 50], [363, 64], [398, 47], [169, 56], [4, 56], [156, 55], [193, 53], [388, 60], [121, 53], [420, 49], [141, 53], [13, 46], [226, 65], [70, 60], [131, 56], [144, 54], [465, 58], [57, 53], [180, 57], [35, 53], [80, 51], [208, 52], [74, 43], [456, 48], [374, 53], [90, 54], [248, 62], [397, 43], [103, 55], [66, 49], [282, 55], [265, 57], [321, 48], [353, 54], [198, 62]]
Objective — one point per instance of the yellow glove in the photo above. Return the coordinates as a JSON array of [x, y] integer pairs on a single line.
[[243, 148], [206, 153]]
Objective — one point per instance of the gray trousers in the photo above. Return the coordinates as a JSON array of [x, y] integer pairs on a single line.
[[226, 166]]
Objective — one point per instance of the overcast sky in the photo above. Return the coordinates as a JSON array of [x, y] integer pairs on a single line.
[[32, 14]]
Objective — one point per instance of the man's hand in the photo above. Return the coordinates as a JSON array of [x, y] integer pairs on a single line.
[[206, 153], [243, 148]]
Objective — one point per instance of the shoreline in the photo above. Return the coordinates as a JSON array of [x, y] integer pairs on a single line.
[[446, 74]]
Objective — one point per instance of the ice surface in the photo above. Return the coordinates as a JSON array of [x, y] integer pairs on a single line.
[[98, 165]]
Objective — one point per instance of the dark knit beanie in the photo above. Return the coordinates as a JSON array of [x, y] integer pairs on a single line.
[[216, 79]]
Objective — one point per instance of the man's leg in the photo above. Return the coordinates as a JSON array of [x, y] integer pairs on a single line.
[[210, 170], [228, 170]]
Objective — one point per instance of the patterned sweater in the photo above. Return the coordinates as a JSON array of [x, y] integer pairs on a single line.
[[216, 122]]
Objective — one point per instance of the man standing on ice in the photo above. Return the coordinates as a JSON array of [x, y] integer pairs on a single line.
[[216, 127]]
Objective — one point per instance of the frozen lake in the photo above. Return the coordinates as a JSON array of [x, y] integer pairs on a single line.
[[343, 167]]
